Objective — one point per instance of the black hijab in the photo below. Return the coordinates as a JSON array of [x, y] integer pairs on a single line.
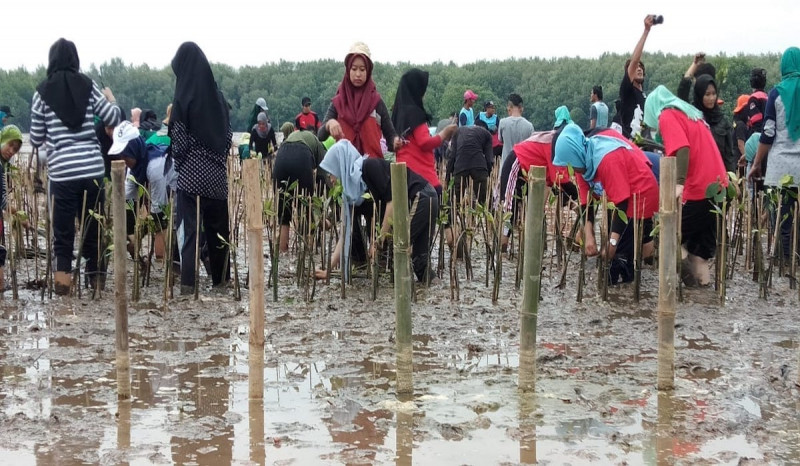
[[66, 90], [408, 111], [714, 115], [198, 102]]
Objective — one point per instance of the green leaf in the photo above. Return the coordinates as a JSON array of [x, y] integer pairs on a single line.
[[622, 215]]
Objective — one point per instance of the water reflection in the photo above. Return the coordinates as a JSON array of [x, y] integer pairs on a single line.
[[404, 436], [191, 396], [527, 428]]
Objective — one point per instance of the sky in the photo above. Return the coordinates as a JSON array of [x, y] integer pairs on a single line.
[[240, 33]]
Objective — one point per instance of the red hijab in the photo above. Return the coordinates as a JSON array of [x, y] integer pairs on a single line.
[[355, 104]]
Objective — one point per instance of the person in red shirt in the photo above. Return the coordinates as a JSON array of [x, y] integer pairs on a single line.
[[307, 119], [537, 150], [624, 173], [687, 137], [410, 119]]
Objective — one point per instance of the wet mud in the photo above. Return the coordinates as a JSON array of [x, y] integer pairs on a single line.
[[329, 388]]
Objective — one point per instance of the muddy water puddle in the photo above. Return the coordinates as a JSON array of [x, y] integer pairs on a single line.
[[329, 397]]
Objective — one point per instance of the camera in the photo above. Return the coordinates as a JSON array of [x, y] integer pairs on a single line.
[[658, 19]]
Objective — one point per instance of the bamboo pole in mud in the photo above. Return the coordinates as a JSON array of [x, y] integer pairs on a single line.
[[667, 275], [197, 248], [120, 298], [255, 231], [532, 275], [402, 277]]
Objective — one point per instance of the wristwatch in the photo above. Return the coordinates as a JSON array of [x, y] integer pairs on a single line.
[[612, 242]]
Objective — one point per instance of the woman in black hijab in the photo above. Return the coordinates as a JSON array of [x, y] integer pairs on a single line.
[[62, 113], [199, 128], [705, 100], [410, 119]]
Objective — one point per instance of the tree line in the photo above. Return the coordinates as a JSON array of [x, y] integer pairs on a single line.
[[544, 84]]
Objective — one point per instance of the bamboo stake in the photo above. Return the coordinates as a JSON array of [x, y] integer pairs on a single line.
[[402, 278], [255, 230], [76, 282], [197, 249], [667, 276], [795, 241], [168, 263], [637, 248], [120, 298], [602, 278], [723, 254], [529, 312]]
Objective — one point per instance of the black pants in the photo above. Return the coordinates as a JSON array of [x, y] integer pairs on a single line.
[[422, 225], [788, 199], [67, 203], [478, 177], [699, 228], [294, 163], [214, 215]]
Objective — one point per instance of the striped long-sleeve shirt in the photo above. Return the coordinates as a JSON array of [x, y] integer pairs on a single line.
[[74, 155]]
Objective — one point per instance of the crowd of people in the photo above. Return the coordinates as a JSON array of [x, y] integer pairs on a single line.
[[184, 158]]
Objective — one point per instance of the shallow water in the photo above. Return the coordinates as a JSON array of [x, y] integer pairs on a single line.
[[329, 385]]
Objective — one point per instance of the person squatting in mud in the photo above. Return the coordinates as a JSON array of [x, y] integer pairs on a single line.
[[10, 144], [610, 162], [145, 164], [537, 150], [361, 174]]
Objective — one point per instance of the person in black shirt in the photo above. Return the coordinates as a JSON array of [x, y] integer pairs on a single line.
[[470, 162], [261, 136], [359, 175], [631, 93]]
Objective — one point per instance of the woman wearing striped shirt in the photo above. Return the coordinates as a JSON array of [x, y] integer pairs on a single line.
[[62, 114]]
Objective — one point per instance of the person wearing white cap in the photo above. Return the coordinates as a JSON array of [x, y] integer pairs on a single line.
[[145, 164], [259, 107], [467, 116]]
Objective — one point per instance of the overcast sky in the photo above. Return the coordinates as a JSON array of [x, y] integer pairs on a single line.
[[256, 32]]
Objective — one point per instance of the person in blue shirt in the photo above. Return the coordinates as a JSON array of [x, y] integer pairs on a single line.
[[467, 115], [598, 112]]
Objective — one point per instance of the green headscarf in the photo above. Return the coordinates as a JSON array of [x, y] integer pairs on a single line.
[[10, 133], [287, 129], [562, 116], [660, 99], [788, 90]]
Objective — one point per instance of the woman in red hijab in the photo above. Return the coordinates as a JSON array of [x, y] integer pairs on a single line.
[[357, 112]]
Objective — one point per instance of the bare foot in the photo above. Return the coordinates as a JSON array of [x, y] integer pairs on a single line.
[[320, 274]]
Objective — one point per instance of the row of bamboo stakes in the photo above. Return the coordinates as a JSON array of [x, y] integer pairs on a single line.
[[260, 200]]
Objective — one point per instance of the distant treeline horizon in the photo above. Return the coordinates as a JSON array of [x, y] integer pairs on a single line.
[[543, 83]]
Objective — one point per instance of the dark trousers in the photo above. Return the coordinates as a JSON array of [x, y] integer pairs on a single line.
[[293, 164], [67, 203], [214, 215], [699, 228], [478, 178], [422, 225]]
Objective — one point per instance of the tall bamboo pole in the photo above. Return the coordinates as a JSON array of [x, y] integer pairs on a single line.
[[402, 277], [532, 277], [255, 231], [667, 275], [120, 298]]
